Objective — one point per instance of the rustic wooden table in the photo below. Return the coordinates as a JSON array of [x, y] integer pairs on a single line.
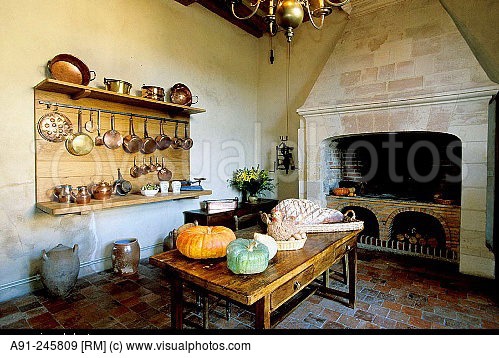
[[288, 279]]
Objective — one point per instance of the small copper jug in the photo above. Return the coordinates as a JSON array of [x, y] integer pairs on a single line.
[[82, 196], [63, 193]]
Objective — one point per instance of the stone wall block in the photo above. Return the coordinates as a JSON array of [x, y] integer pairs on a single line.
[[405, 84], [404, 69]]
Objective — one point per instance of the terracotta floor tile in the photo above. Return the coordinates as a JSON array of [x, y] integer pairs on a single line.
[[330, 315], [385, 322], [390, 294], [411, 311], [392, 305], [333, 325], [419, 323]]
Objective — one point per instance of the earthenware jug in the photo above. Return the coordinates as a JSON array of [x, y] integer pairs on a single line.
[[60, 268], [126, 256]]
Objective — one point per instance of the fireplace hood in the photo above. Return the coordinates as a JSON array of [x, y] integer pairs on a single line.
[[398, 69]]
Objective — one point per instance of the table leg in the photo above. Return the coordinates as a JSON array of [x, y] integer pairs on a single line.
[[325, 278], [206, 310], [177, 299], [352, 274], [262, 313], [228, 310]]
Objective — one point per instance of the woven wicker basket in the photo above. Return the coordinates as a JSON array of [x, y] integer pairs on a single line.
[[290, 245], [350, 225]]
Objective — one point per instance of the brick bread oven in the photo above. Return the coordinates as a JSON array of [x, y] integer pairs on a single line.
[[388, 211], [408, 190], [396, 69]]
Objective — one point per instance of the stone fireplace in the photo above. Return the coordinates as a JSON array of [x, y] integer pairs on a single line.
[[407, 189], [397, 71]]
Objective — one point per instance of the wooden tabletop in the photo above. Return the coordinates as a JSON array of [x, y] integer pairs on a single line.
[[214, 275]]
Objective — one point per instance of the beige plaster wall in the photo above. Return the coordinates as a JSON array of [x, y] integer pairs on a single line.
[[309, 52], [146, 41], [477, 22]]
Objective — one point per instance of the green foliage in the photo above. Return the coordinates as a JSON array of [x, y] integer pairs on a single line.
[[254, 180]]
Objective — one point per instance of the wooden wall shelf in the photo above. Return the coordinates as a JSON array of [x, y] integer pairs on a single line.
[[54, 208], [77, 92]]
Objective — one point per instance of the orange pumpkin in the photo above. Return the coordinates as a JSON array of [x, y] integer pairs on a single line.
[[205, 242]]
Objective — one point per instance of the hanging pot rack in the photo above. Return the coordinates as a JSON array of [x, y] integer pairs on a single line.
[[91, 109]]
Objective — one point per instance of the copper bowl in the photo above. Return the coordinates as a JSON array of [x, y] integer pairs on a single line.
[[181, 94], [341, 191]]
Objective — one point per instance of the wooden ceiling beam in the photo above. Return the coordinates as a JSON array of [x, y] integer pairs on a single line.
[[254, 26]]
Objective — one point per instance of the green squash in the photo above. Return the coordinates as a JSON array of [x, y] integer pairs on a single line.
[[247, 256]]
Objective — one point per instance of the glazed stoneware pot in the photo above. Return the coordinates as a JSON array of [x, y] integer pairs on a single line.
[[60, 268], [126, 257]]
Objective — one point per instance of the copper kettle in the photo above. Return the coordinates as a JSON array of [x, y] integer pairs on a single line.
[[102, 190]]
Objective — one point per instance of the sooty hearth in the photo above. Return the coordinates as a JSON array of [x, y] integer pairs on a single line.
[[422, 166]]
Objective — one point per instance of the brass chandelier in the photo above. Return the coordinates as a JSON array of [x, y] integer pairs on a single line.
[[288, 14]]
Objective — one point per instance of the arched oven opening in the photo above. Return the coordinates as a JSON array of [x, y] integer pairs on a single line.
[[419, 233], [371, 225]]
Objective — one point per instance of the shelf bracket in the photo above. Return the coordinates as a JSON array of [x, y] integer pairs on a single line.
[[81, 94]]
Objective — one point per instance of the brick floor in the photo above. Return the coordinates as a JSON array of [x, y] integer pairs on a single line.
[[393, 292]]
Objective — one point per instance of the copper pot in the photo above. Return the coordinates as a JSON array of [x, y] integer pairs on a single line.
[[118, 86], [102, 190], [153, 92]]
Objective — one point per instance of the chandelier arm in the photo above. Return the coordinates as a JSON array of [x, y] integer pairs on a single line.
[[336, 3], [257, 6], [318, 27]]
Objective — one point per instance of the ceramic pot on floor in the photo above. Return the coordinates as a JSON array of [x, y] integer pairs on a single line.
[[60, 269], [126, 256]]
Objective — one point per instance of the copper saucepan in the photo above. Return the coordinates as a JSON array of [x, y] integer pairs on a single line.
[[79, 143], [177, 141], [132, 142], [135, 170], [112, 138], [163, 141], [187, 142], [164, 174], [148, 143]]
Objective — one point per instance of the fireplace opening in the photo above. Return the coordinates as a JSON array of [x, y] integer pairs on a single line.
[[371, 225], [421, 166], [418, 230]]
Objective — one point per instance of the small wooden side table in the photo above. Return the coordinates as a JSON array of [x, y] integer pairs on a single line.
[[246, 214]]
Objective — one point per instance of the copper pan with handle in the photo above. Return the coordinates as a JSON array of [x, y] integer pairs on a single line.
[[187, 142], [163, 141], [112, 138], [79, 143], [132, 142], [177, 141], [148, 143], [164, 174]]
